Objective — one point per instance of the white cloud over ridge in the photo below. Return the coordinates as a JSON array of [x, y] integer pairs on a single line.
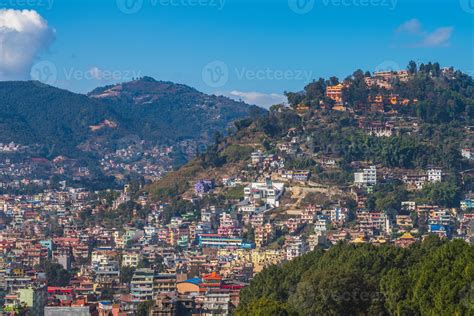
[[24, 34]]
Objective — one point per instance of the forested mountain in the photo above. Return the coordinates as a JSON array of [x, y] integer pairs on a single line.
[[172, 112], [162, 112], [33, 113]]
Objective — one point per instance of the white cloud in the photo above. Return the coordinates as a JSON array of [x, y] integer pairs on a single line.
[[412, 26], [24, 34], [440, 37], [437, 38], [265, 100]]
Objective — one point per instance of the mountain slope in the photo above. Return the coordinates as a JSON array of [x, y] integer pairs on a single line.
[[59, 121], [33, 113], [172, 112]]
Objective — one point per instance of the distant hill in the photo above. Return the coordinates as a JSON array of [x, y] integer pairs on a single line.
[[33, 113], [162, 112], [172, 112]]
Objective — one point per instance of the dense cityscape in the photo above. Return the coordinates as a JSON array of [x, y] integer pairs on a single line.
[[255, 200], [236, 158]]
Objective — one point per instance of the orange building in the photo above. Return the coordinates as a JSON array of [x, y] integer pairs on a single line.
[[335, 93], [405, 240], [189, 286], [211, 280]]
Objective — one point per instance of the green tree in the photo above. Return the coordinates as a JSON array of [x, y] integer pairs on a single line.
[[56, 274], [144, 308], [126, 274]]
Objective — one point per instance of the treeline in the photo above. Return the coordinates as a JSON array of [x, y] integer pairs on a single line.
[[441, 96], [433, 277]]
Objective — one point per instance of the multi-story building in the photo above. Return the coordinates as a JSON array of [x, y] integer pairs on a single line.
[[335, 93], [368, 221], [219, 241], [216, 304], [366, 177], [268, 191], [105, 264], [130, 258], [164, 283], [434, 175], [141, 286], [295, 247]]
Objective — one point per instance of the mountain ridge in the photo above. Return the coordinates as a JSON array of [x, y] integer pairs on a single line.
[[159, 111]]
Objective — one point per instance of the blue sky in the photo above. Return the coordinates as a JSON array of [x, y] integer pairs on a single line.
[[254, 50]]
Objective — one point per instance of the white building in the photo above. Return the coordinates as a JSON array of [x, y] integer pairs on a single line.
[[257, 157], [295, 247], [467, 153], [366, 177], [435, 175], [268, 191], [321, 225]]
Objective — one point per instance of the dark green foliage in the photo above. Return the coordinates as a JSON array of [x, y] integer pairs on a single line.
[[276, 124], [443, 194], [300, 163], [32, 113], [435, 145], [56, 274], [387, 197], [144, 308], [265, 307], [126, 274], [235, 153], [429, 278]]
